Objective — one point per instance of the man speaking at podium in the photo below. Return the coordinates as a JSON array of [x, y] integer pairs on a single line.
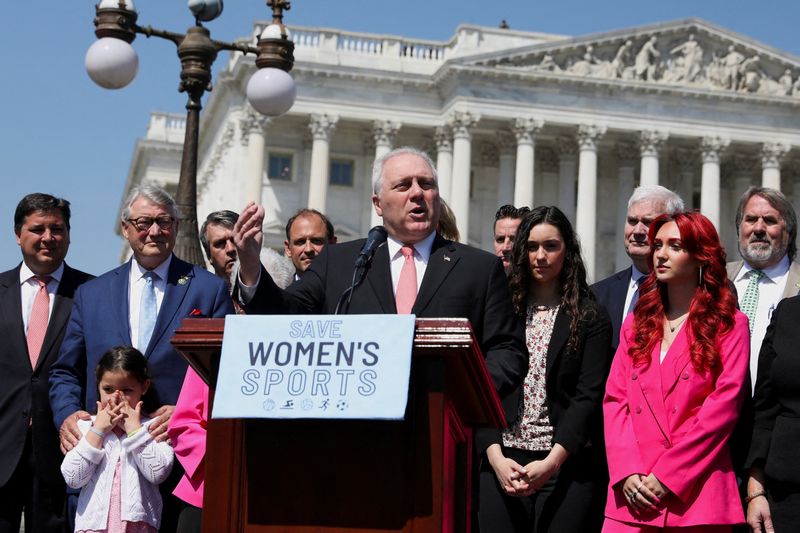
[[414, 270]]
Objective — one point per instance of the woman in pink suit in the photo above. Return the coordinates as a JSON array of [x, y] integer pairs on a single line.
[[675, 390], [187, 431]]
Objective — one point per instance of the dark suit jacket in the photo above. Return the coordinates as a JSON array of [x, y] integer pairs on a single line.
[[611, 293], [23, 392], [575, 381], [776, 431], [460, 281], [100, 321]]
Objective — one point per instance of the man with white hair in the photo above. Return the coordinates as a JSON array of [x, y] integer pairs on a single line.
[[619, 292]]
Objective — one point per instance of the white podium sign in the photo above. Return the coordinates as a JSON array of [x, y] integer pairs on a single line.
[[314, 366]]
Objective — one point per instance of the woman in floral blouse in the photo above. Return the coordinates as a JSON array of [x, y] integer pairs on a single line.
[[545, 472]]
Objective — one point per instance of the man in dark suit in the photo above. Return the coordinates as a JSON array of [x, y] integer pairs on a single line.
[[140, 304], [415, 271], [619, 292], [35, 301], [307, 232]]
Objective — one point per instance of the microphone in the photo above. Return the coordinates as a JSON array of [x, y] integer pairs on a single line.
[[375, 238]]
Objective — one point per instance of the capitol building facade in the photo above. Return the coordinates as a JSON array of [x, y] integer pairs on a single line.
[[509, 117]]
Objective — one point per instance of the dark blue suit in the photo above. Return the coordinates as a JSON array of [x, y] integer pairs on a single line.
[[100, 321], [611, 294]]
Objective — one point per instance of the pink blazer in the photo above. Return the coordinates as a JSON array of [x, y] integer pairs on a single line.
[[670, 420], [187, 430]]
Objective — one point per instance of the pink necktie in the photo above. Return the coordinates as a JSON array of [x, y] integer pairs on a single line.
[[37, 322], [407, 284]]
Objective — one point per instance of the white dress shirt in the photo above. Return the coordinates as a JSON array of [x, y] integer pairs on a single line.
[[29, 287], [422, 254], [136, 285], [633, 291], [770, 292]]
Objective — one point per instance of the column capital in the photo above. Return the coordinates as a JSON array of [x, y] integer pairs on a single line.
[[443, 137], [627, 154], [566, 147], [252, 122], [772, 154], [526, 128], [322, 125], [385, 131], [711, 148], [651, 142], [589, 135], [461, 122]]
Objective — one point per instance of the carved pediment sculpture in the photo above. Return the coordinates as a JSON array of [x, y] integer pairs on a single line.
[[694, 55]]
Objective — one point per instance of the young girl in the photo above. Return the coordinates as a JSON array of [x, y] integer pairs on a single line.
[[117, 464]]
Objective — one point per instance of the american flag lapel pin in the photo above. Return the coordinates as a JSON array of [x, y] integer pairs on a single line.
[[447, 258]]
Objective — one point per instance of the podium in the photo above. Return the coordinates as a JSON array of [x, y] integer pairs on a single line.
[[312, 475]]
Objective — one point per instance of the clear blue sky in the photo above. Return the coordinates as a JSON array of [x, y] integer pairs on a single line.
[[61, 134]]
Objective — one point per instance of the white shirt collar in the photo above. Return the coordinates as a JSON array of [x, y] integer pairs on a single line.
[[137, 270], [771, 273], [26, 273], [422, 248]]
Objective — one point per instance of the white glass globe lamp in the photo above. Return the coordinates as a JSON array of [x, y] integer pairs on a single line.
[[111, 63], [271, 91]]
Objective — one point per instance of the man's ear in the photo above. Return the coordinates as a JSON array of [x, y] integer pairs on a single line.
[[286, 250], [376, 201]]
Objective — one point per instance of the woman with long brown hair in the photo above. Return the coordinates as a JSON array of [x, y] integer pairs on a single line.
[[541, 474], [675, 389]]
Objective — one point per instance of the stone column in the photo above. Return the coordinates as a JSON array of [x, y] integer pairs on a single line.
[[444, 160], [710, 149], [586, 218], [744, 170], [686, 160], [567, 165], [321, 127], [461, 123], [772, 155], [253, 125], [383, 135], [650, 143], [525, 129], [626, 181], [507, 144]]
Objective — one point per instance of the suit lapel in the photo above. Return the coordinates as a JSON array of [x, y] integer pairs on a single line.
[[620, 293], [650, 383], [11, 313], [442, 260], [179, 278], [120, 307], [379, 278], [674, 363], [792, 281], [558, 339]]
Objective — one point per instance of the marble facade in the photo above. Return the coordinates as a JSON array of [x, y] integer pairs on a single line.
[[509, 117]]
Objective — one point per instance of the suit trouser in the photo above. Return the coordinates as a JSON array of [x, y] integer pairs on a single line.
[[565, 504], [26, 491]]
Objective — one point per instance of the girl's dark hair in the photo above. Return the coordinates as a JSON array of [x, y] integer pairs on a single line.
[[129, 360], [572, 278]]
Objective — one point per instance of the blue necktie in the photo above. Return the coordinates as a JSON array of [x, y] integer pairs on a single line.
[[148, 310]]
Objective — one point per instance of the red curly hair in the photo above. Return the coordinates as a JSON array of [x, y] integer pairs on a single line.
[[711, 313]]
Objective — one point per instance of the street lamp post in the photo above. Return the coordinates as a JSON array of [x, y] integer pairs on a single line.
[[112, 63]]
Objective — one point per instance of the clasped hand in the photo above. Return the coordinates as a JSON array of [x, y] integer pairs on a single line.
[[643, 493], [118, 412]]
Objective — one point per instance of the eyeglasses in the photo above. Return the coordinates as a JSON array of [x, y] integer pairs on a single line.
[[145, 223]]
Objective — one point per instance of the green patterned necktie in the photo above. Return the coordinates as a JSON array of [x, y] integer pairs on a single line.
[[750, 300]]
